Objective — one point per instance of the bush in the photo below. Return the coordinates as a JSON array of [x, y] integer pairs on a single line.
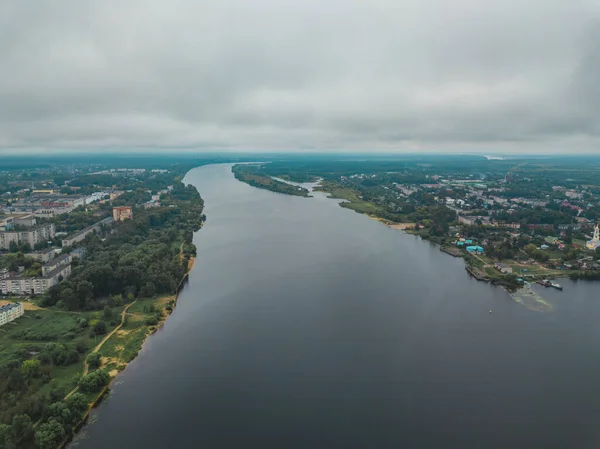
[[81, 347], [94, 381], [151, 321], [82, 322], [99, 328], [49, 435], [68, 336], [94, 360]]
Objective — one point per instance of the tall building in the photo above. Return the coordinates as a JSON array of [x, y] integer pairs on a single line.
[[122, 213], [595, 242], [34, 235]]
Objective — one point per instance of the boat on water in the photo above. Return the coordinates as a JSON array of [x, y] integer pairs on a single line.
[[556, 285], [547, 283]]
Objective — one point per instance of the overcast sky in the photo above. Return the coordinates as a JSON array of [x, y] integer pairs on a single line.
[[375, 75]]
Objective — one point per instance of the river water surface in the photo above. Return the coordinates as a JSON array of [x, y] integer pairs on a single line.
[[306, 325]]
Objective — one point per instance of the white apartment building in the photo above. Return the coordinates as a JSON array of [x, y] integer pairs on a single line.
[[19, 285], [10, 312], [37, 234]]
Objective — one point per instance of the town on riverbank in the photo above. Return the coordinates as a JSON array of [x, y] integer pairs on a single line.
[[513, 221], [92, 258]]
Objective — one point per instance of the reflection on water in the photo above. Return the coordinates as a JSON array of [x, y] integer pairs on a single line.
[[306, 325]]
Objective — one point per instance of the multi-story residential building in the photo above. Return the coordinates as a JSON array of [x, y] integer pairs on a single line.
[[10, 312], [7, 223], [20, 285], [81, 235], [32, 236], [122, 213], [44, 256], [63, 259], [24, 219]]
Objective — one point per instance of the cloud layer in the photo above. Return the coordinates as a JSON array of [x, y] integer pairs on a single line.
[[380, 75]]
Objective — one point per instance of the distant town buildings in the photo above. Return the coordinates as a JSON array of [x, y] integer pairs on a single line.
[[10, 312], [48, 203], [9, 222], [122, 213], [595, 242]]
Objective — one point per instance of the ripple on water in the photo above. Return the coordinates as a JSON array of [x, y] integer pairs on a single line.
[[532, 300]]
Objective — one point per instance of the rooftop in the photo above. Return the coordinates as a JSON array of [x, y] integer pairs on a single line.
[[56, 271], [58, 259], [7, 307]]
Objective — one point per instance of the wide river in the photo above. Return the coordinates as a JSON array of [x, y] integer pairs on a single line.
[[305, 325]]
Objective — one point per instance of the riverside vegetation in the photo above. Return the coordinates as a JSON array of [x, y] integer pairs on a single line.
[[252, 175], [139, 266], [510, 208]]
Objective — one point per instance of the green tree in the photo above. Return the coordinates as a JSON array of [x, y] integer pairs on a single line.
[[94, 381], [94, 360], [108, 313], [6, 440], [49, 435], [30, 369], [85, 291], [77, 403], [60, 412], [69, 297], [117, 299], [148, 290], [99, 328], [21, 429]]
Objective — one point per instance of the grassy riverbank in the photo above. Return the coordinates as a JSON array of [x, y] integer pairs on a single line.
[[352, 199]]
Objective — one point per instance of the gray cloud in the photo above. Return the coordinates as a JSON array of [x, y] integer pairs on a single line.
[[463, 75]]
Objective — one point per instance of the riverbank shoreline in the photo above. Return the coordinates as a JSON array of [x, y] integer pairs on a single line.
[[169, 300], [474, 266]]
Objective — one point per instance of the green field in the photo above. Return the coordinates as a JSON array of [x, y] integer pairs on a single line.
[[353, 201], [31, 333], [125, 344]]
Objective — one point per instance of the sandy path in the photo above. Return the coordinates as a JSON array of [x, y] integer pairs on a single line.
[[99, 345]]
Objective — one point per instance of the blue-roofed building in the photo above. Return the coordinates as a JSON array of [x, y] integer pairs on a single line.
[[460, 243], [475, 249], [469, 242]]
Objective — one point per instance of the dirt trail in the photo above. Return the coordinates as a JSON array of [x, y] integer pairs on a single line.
[[86, 367]]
